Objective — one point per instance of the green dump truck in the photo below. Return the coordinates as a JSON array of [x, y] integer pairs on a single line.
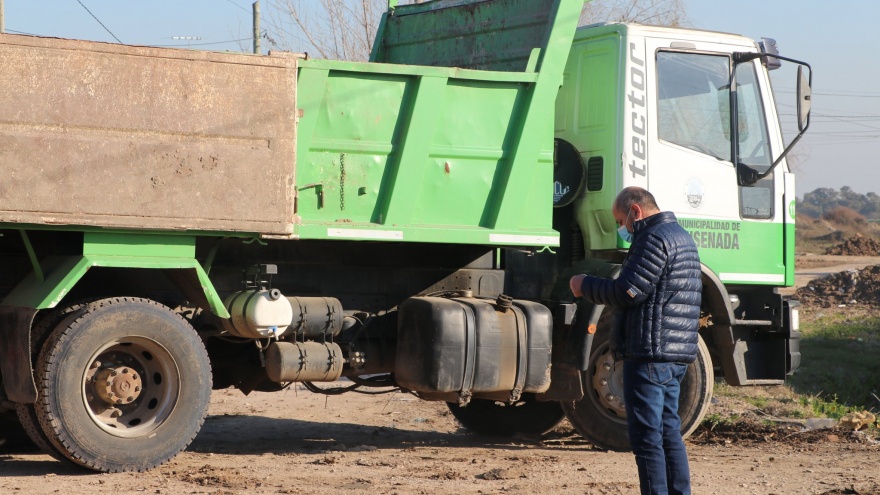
[[173, 222]]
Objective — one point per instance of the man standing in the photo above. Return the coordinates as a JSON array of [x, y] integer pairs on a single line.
[[658, 293]]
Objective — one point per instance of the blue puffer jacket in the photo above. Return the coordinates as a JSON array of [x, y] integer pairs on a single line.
[[659, 290]]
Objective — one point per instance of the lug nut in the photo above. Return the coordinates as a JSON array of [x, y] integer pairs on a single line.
[[96, 364], [610, 397]]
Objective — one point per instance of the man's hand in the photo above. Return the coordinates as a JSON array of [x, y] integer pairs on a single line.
[[575, 285]]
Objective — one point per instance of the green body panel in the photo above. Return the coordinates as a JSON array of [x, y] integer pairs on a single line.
[[742, 252], [588, 116], [430, 152], [391, 161], [789, 254], [138, 245], [111, 250]]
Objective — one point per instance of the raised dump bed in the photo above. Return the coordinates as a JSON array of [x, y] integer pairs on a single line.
[[447, 136]]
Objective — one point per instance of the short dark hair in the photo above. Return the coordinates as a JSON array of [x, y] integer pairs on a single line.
[[635, 196]]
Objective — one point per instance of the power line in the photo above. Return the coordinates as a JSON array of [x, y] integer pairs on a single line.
[[239, 6], [842, 95], [99, 21], [203, 44], [837, 92], [21, 32]]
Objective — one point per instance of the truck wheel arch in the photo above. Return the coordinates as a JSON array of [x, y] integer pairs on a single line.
[[18, 309], [718, 336], [715, 297]]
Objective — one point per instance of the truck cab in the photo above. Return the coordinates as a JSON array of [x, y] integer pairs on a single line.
[[652, 107]]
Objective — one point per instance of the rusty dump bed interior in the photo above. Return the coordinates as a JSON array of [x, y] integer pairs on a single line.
[[96, 134]]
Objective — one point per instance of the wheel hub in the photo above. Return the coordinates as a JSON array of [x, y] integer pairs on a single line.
[[118, 385], [608, 384]]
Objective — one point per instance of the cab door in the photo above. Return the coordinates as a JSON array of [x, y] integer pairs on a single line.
[[691, 164]]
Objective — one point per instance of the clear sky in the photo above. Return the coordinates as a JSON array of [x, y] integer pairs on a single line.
[[837, 38]]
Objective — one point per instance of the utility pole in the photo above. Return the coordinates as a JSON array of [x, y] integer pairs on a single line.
[[256, 27], [2, 19]]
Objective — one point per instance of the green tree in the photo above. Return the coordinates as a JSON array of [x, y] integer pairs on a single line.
[[824, 199], [819, 201]]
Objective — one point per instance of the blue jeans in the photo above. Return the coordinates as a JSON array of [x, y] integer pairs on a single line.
[[651, 398]]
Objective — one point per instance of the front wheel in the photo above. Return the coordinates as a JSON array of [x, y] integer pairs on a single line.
[[600, 416], [124, 385], [492, 418]]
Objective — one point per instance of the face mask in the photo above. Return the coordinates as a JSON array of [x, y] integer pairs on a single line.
[[623, 233]]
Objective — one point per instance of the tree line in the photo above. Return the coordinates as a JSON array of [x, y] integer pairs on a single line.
[[825, 202]]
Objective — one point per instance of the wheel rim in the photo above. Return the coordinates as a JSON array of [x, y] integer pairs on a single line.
[[130, 386], [607, 384]]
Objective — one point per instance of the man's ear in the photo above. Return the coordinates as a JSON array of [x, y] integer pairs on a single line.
[[637, 210]]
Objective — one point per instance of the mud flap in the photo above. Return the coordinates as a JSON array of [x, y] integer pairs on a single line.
[[15, 353]]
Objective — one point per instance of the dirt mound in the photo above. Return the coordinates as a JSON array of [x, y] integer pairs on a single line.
[[750, 433], [851, 287], [857, 245]]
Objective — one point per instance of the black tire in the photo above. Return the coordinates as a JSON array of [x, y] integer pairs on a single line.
[[27, 414], [491, 418], [600, 417], [123, 385]]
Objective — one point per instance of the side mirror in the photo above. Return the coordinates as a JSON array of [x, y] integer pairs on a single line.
[[804, 103], [805, 99]]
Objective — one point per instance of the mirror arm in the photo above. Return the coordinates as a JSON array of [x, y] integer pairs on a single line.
[[784, 152], [742, 57]]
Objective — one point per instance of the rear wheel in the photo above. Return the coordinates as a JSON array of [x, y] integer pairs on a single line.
[[27, 414], [600, 416], [488, 417], [123, 385]]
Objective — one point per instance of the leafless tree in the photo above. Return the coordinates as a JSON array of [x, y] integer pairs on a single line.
[[330, 29], [657, 12], [345, 29]]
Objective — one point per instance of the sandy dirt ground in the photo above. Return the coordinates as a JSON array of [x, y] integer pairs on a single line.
[[294, 442], [297, 442]]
